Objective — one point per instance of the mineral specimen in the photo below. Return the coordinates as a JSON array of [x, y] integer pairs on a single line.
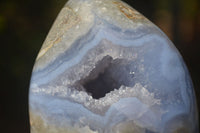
[[105, 68]]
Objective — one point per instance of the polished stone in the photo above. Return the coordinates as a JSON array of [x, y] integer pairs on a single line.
[[105, 68]]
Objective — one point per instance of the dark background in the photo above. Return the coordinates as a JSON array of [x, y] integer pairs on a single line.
[[24, 25]]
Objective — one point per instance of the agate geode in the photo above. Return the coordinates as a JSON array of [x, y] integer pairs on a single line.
[[105, 68]]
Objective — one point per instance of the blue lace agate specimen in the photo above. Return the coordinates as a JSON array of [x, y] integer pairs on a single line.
[[105, 68]]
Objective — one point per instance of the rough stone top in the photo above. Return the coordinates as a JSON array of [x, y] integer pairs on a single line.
[[78, 17]]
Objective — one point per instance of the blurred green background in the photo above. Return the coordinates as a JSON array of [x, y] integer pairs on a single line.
[[24, 25]]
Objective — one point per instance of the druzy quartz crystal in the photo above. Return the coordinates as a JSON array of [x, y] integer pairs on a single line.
[[105, 68]]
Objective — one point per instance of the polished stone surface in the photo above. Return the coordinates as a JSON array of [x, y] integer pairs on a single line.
[[105, 68]]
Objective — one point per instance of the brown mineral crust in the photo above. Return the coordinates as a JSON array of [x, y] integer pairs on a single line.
[[128, 12]]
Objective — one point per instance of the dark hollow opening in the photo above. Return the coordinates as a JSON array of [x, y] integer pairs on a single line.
[[100, 86], [108, 75]]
